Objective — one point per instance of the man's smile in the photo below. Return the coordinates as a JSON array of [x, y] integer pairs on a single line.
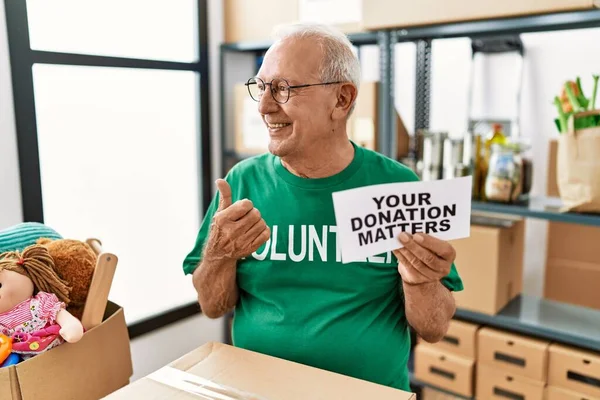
[[277, 126]]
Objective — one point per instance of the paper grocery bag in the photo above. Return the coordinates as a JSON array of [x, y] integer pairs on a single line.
[[578, 166]]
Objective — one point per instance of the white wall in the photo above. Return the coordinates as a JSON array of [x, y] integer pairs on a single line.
[[10, 187]]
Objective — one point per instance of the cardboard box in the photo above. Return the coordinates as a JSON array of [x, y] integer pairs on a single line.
[[572, 259], [432, 394], [572, 282], [364, 122], [444, 370], [461, 339], [495, 384], [515, 354], [490, 263], [574, 370], [575, 244], [381, 14], [257, 376], [555, 393], [96, 366], [254, 20]]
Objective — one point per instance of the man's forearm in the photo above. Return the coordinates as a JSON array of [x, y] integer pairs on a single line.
[[429, 309], [215, 282]]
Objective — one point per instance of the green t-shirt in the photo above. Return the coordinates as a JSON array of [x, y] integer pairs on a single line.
[[297, 300]]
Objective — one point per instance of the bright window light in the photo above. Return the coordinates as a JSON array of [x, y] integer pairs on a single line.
[[119, 160], [148, 29]]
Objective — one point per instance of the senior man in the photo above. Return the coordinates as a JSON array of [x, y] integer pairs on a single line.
[[267, 247]]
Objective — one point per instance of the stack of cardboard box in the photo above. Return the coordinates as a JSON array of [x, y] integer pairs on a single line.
[[520, 367], [510, 365], [450, 363], [573, 259], [488, 363]]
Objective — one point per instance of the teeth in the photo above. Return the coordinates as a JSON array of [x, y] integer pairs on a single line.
[[278, 125]]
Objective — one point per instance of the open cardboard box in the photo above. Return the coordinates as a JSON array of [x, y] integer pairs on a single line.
[[97, 365], [220, 371]]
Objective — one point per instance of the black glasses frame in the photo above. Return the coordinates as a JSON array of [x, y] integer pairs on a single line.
[[270, 84]]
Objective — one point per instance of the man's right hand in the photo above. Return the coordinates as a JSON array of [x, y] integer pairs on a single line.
[[237, 229]]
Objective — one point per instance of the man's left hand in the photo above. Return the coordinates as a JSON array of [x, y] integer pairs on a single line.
[[423, 259]]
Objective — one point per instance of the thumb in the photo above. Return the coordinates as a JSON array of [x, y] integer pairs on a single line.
[[224, 193]]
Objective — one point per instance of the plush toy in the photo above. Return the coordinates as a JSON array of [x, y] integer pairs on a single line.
[[33, 302], [19, 236], [74, 262]]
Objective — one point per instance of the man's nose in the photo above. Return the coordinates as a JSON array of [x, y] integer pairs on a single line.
[[267, 103]]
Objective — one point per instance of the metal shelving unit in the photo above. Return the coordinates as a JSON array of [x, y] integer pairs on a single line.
[[559, 322], [545, 319], [542, 207]]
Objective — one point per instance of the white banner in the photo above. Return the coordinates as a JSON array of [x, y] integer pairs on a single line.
[[369, 219]]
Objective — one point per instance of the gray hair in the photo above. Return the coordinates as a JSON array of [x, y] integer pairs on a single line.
[[339, 63]]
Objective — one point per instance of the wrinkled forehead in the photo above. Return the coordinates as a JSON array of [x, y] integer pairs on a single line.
[[298, 61]]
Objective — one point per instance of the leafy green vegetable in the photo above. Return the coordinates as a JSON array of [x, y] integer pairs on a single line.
[[569, 103], [586, 122], [572, 98], [562, 116], [580, 96]]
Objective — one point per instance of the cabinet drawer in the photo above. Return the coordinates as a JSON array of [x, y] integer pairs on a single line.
[[513, 353], [575, 370], [445, 370]]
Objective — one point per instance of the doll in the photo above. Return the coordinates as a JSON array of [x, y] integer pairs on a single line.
[[33, 301]]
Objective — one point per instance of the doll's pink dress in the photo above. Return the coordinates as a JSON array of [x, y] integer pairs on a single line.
[[32, 324]]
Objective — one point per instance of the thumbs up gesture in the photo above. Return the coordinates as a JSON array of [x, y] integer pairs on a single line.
[[238, 229]]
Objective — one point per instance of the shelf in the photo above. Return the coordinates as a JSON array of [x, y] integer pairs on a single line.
[[545, 319], [358, 39], [491, 27], [541, 207]]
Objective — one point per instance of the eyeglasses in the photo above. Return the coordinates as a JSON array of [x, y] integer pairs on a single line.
[[280, 88]]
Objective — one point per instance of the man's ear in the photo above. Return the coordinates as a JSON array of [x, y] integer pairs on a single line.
[[346, 96]]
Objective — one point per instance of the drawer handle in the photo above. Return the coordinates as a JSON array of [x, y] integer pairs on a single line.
[[588, 380], [509, 359], [443, 373], [452, 340], [508, 394]]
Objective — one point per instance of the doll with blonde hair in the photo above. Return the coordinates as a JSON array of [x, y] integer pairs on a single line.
[[33, 302]]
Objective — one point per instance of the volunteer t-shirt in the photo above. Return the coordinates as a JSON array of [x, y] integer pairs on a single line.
[[297, 301]]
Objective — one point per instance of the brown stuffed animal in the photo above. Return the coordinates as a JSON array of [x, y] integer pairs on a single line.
[[74, 262]]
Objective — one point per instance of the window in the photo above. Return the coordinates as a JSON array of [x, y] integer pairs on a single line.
[[114, 123]]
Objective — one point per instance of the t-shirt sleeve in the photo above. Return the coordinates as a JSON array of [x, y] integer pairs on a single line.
[[453, 280], [194, 257]]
